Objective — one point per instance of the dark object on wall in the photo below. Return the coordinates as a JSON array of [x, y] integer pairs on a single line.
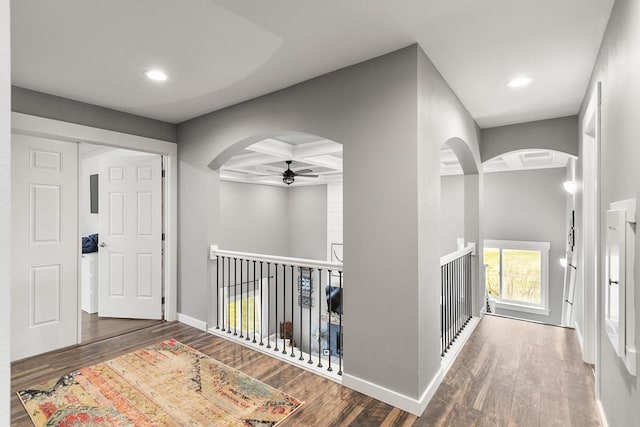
[[572, 231], [93, 191], [90, 244], [305, 288], [286, 331], [334, 299]]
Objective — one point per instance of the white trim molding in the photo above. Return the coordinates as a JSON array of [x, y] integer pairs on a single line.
[[393, 398], [191, 321], [402, 401], [26, 124]]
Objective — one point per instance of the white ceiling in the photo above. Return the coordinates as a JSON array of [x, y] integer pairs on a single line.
[[220, 52], [264, 161], [512, 161]]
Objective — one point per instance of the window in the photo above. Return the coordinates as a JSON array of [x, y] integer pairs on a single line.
[[245, 304], [517, 275]]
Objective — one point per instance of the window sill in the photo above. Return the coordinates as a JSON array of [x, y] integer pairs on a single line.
[[521, 307]]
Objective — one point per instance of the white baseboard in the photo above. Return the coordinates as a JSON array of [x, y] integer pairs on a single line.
[[393, 398], [406, 403], [188, 320], [603, 417]]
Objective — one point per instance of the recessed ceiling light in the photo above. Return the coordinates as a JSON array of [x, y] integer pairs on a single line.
[[520, 82], [156, 75]]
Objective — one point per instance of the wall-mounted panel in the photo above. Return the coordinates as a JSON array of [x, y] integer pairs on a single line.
[[145, 213], [44, 295], [45, 213], [145, 275]]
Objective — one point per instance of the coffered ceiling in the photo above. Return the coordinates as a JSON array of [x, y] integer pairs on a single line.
[[264, 161]]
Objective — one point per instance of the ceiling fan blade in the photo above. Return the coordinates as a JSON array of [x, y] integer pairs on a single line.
[[302, 171], [308, 176]]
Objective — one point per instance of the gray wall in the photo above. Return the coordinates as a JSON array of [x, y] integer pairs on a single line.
[[254, 218], [272, 220], [364, 107], [451, 212], [308, 222], [5, 190], [530, 205], [55, 107], [442, 119], [618, 68], [559, 134]]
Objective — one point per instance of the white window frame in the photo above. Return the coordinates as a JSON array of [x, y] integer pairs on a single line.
[[543, 248]]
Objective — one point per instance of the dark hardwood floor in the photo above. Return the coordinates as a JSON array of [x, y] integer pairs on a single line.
[[96, 328], [510, 373], [516, 373]]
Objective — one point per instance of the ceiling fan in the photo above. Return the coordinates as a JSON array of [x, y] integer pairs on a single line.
[[288, 176]]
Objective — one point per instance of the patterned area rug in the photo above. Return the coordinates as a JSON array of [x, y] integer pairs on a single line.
[[166, 384]]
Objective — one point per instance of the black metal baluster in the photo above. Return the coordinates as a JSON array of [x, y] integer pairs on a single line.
[[445, 303], [310, 361], [217, 292], [223, 296], [284, 308], [449, 305], [455, 298], [241, 299], [466, 294], [254, 301], [320, 318], [276, 340], [441, 311], [248, 299], [469, 278], [292, 319], [340, 334], [329, 326], [268, 304], [261, 305], [235, 297], [229, 295], [300, 304]]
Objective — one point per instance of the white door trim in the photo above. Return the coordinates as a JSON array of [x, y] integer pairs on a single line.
[[55, 129], [591, 224]]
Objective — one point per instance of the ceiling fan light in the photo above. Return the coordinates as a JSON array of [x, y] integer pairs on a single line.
[[288, 179]]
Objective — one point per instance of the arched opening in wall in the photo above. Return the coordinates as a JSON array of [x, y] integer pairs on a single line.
[[526, 218], [458, 233], [456, 160], [282, 195], [279, 274], [451, 202]]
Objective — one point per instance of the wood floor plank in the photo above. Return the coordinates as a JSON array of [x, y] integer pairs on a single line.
[[509, 373]]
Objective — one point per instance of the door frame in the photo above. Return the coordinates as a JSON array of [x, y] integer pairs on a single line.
[[590, 128], [64, 131]]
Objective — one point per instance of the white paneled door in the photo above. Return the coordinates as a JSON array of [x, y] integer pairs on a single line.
[[130, 237], [45, 245]]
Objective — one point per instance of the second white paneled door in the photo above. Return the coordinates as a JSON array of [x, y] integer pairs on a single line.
[[130, 237]]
